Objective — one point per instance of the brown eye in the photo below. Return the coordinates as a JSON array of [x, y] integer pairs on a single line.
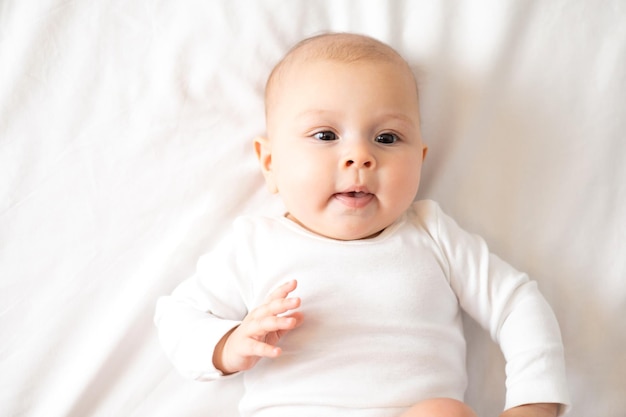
[[386, 138], [325, 136]]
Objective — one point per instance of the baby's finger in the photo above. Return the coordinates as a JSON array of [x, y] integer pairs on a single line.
[[259, 328], [275, 308], [275, 324], [262, 349], [282, 291]]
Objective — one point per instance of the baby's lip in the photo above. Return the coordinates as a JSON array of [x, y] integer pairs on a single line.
[[354, 194], [355, 197], [356, 190]]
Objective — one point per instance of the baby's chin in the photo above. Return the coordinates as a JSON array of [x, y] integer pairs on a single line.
[[356, 236], [342, 231]]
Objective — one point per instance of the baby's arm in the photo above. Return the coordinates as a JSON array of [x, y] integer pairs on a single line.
[[509, 305], [256, 337]]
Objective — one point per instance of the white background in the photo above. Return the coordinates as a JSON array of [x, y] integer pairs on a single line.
[[125, 152]]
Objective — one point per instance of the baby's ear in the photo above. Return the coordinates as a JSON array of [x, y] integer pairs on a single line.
[[263, 150]]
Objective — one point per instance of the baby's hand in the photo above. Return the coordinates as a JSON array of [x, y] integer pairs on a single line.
[[257, 335]]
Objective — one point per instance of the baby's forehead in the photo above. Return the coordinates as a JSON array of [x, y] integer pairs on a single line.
[[343, 48], [333, 48], [297, 72]]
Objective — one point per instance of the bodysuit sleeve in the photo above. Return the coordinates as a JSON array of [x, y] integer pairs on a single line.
[[508, 305], [201, 310]]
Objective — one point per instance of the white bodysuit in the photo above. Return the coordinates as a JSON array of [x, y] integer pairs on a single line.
[[382, 325]]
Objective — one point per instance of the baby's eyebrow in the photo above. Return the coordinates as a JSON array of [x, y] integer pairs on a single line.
[[382, 117], [397, 117], [313, 113]]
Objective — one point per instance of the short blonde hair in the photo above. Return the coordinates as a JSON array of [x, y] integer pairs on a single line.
[[342, 47]]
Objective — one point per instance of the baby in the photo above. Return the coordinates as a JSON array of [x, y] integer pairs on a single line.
[[350, 303]]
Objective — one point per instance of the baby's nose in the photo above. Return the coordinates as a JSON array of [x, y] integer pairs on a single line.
[[367, 163], [359, 157]]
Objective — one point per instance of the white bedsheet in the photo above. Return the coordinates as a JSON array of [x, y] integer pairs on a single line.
[[125, 151]]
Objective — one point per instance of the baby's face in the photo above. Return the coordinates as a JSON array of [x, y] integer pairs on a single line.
[[344, 149]]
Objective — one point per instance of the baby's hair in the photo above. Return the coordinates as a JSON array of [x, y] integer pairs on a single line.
[[342, 47]]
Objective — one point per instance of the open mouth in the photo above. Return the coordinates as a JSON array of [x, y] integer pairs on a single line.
[[356, 194], [354, 199]]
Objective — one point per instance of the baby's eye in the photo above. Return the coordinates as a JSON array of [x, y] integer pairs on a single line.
[[326, 136], [386, 138]]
